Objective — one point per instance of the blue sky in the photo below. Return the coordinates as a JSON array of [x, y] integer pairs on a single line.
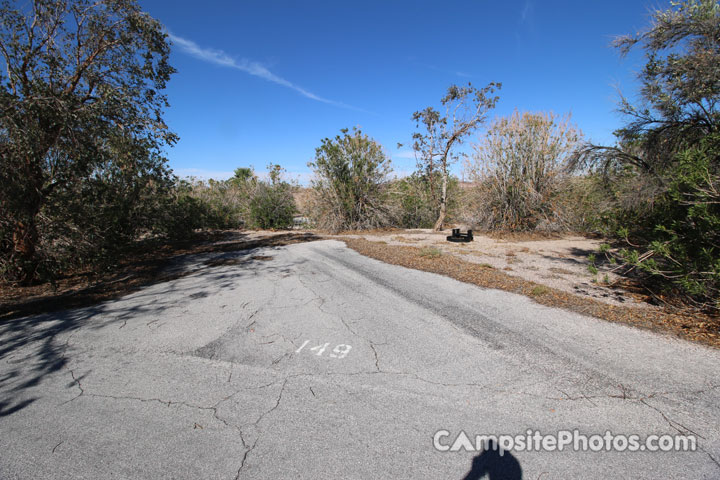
[[265, 81]]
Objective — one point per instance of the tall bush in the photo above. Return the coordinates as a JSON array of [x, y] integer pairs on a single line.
[[272, 205], [518, 168], [350, 183]]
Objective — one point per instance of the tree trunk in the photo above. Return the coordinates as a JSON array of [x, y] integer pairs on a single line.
[[443, 203], [26, 237], [25, 240]]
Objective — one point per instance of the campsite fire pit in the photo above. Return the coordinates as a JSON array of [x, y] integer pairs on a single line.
[[460, 237]]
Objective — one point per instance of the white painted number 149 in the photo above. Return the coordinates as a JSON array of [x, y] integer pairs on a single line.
[[339, 351]]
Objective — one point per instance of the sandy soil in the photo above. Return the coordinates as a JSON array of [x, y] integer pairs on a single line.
[[560, 263]]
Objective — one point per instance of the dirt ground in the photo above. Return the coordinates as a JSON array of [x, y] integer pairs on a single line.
[[560, 263]]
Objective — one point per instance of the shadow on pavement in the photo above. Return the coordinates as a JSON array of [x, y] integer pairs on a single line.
[[137, 274], [34, 347], [493, 466]]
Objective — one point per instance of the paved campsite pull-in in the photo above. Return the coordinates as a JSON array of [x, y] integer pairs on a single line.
[[312, 361]]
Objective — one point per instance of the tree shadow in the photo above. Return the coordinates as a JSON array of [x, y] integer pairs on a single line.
[[132, 274], [37, 346], [494, 466]]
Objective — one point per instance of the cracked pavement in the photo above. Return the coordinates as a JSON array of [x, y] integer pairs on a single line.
[[319, 362]]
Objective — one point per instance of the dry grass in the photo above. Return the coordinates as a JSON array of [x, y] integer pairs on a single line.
[[403, 239], [510, 236], [693, 326], [430, 252], [538, 290]]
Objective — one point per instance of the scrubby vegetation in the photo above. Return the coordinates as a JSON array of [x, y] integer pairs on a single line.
[[415, 201], [272, 204], [241, 201]]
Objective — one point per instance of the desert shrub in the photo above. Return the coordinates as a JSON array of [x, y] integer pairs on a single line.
[[680, 235], [242, 200], [303, 201], [272, 204], [584, 203], [350, 183], [225, 203], [183, 213], [689, 223], [518, 168]]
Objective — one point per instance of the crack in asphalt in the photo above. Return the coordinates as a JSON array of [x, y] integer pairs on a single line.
[[344, 322], [64, 360], [213, 408], [168, 403], [626, 394], [277, 403], [377, 360], [673, 424], [256, 423], [77, 382], [712, 458]]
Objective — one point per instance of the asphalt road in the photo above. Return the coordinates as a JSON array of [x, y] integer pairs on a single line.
[[320, 363]]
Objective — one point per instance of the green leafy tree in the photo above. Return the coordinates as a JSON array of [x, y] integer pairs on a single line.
[[350, 182], [80, 100], [466, 109]]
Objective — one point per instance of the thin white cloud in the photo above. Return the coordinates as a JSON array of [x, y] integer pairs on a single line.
[[218, 57], [526, 11]]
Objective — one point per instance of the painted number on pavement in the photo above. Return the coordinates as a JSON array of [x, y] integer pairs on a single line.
[[340, 351]]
